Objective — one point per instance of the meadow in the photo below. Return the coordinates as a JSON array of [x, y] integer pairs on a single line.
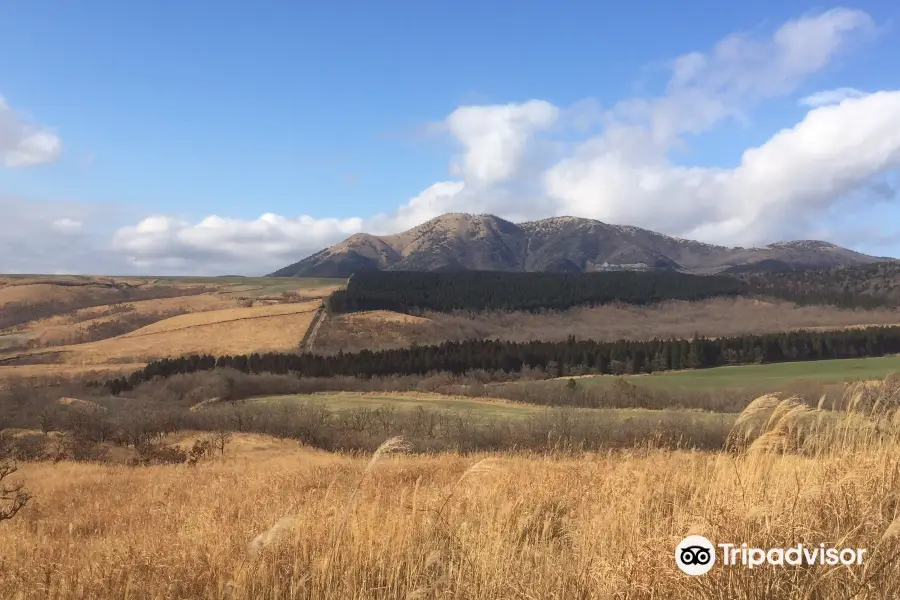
[[483, 411], [484, 408], [79, 326], [272, 519], [771, 376]]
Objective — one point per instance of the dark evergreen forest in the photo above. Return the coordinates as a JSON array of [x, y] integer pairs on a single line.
[[404, 291], [874, 285], [866, 286], [558, 358]]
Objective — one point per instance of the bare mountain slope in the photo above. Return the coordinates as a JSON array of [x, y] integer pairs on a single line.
[[488, 243]]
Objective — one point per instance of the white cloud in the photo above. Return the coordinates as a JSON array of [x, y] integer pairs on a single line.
[[66, 225], [626, 176], [827, 97], [496, 137], [442, 197], [742, 70], [798, 174], [220, 244], [23, 144]]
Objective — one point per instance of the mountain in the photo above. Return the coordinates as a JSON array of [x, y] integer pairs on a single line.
[[455, 242]]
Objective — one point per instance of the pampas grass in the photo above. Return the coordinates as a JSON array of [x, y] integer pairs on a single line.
[[491, 527]]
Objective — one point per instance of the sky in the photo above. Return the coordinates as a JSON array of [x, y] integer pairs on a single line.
[[206, 138]]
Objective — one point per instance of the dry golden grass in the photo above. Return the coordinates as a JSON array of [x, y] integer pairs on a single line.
[[275, 521], [229, 331], [37, 292], [229, 315], [373, 329], [62, 327], [214, 322], [65, 288], [382, 316], [232, 331]]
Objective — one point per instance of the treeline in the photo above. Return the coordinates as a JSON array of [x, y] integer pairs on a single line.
[[403, 291], [557, 358], [870, 286]]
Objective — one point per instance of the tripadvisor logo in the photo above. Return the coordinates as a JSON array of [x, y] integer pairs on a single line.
[[696, 555]]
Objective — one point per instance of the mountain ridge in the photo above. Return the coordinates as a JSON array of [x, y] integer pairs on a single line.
[[461, 241]]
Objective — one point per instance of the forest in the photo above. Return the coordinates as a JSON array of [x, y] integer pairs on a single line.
[[869, 286], [866, 286], [405, 291], [558, 358]]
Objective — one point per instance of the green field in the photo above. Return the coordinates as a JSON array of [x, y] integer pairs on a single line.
[[344, 400], [490, 409], [768, 375], [265, 286]]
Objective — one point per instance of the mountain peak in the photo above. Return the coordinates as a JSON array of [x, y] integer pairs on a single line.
[[805, 244], [485, 242]]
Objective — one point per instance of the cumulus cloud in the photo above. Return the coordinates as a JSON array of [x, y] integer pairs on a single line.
[[625, 175], [222, 244], [826, 97], [513, 162], [496, 137], [799, 173], [23, 144]]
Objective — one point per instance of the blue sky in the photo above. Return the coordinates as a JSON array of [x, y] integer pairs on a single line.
[[337, 116]]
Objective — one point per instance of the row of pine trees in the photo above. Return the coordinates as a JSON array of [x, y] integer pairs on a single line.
[[557, 358]]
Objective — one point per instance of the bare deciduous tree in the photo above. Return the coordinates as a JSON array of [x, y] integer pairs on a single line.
[[13, 496], [221, 437]]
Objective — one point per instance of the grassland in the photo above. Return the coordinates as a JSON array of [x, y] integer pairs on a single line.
[[272, 520], [138, 319], [484, 408], [760, 377], [231, 331], [479, 408]]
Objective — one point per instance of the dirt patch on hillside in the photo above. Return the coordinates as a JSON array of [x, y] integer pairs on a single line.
[[383, 316]]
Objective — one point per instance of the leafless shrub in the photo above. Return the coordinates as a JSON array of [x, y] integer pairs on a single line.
[[200, 449], [13, 496], [159, 454], [221, 439]]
